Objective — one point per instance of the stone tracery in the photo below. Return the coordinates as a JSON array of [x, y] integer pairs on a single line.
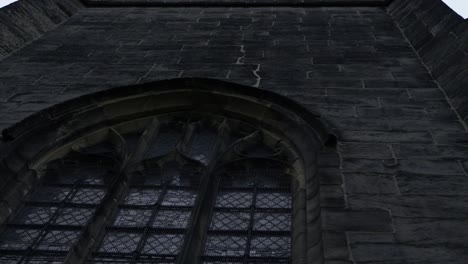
[[170, 186]]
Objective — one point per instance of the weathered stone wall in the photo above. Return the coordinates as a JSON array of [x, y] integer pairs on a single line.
[[231, 3], [440, 36], [27, 20], [393, 190]]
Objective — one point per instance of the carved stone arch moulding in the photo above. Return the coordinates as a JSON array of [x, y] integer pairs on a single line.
[[249, 128]]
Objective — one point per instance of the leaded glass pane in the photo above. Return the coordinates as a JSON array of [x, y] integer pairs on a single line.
[[142, 196], [273, 200], [14, 259], [171, 219], [272, 178], [94, 174], [150, 175], [74, 216], [35, 215], [19, 238], [203, 146], [231, 246], [234, 199], [270, 247], [58, 240], [120, 242], [158, 195], [230, 221], [235, 179], [165, 143], [172, 174], [83, 167], [262, 178], [51, 194], [272, 221], [234, 207], [163, 244], [179, 198], [88, 196], [132, 217], [188, 175], [94, 179]]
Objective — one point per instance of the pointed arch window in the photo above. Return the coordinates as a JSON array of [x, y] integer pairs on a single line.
[[188, 182]]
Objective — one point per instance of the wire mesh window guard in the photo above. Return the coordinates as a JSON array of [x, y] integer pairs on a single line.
[[162, 190]]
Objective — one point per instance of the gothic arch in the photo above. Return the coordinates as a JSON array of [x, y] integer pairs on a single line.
[[33, 144]]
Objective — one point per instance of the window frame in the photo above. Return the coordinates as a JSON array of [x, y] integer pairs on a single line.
[[52, 129]]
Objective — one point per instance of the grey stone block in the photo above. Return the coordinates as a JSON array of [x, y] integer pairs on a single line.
[[370, 183]]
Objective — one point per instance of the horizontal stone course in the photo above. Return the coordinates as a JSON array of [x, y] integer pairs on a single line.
[[414, 206], [430, 231], [365, 220], [370, 150], [435, 152], [385, 137], [380, 252], [370, 183], [430, 184]]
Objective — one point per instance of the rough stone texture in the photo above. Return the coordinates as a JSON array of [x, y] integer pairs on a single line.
[[398, 173], [211, 3], [440, 37], [27, 20]]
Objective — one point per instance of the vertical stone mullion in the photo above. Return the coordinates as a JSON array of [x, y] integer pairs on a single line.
[[94, 232]]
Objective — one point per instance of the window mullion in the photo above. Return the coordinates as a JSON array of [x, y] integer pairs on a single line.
[[251, 223], [46, 226], [155, 209], [94, 231], [192, 247]]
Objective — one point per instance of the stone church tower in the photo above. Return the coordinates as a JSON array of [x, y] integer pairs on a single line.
[[233, 131]]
